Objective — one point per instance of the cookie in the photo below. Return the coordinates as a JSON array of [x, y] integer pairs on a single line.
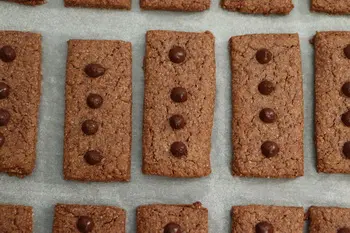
[[88, 218], [20, 87], [109, 4], [178, 103], [267, 95], [329, 219], [332, 93], [29, 2], [180, 5], [331, 6], [267, 219], [16, 219], [172, 218], [259, 7], [97, 144]]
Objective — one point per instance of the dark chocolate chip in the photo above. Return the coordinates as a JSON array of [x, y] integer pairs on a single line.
[[267, 115], [266, 87], [344, 230], [269, 149], [178, 94], [89, 127], [94, 70], [178, 149], [346, 89], [85, 224], [347, 51], [2, 139], [7, 54], [177, 122], [4, 90], [346, 149], [94, 101], [177, 54], [345, 118], [264, 227], [93, 157], [4, 117], [263, 56], [172, 228]]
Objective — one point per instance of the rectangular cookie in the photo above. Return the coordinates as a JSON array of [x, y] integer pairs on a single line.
[[108, 4], [88, 218], [332, 92], [267, 95], [180, 5], [178, 103], [97, 145], [20, 88], [259, 7], [16, 219], [172, 218], [331, 6], [28, 2], [329, 219], [258, 218]]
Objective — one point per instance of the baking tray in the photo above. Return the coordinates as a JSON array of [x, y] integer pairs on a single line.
[[220, 190]]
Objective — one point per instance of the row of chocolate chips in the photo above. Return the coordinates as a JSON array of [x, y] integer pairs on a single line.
[[94, 101], [267, 115], [7, 54], [179, 95], [345, 117]]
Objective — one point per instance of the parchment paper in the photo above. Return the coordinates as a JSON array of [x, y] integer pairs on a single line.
[[220, 190]]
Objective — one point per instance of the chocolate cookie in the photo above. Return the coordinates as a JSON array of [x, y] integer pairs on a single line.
[[179, 103], [16, 219], [331, 6], [20, 87], [267, 132], [180, 5], [115, 4], [98, 111], [329, 219], [259, 7]]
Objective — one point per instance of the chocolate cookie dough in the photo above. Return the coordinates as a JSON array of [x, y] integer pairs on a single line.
[[331, 6], [178, 104], [267, 219], [16, 219], [259, 7], [20, 87], [98, 111], [329, 219], [172, 218], [109, 4], [267, 95], [88, 218], [332, 89]]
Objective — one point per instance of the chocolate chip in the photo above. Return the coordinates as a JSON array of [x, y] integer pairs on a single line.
[[347, 51], [178, 94], [94, 101], [346, 149], [94, 70], [178, 149], [264, 227], [267, 115], [345, 118], [2, 139], [172, 228], [7, 54], [85, 224], [4, 90], [266, 87], [177, 54], [89, 127], [344, 230], [346, 89], [177, 122], [263, 56], [93, 157], [269, 149], [4, 117]]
